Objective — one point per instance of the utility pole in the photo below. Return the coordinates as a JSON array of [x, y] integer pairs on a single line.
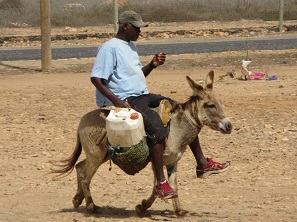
[[115, 13], [281, 15], [45, 25]]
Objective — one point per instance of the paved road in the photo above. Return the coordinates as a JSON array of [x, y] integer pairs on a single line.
[[180, 46]]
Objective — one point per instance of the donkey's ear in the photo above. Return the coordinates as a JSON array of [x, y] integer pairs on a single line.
[[197, 89], [209, 80]]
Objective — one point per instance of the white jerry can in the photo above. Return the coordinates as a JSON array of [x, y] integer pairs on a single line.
[[124, 127]]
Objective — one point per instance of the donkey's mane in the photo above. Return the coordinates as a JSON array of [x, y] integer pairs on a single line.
[[185, 105]]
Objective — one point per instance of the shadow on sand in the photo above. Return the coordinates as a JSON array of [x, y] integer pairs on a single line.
[[19, 67], [121, 213]]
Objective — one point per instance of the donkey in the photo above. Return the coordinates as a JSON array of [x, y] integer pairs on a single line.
[[187, 119]]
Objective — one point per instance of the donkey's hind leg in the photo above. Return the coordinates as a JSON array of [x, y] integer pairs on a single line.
[[78, 198], [85, 172]]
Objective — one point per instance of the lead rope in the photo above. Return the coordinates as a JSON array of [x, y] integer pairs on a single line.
[[110, 166], [111, 151]]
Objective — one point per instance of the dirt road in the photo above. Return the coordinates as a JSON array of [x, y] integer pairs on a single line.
[[40, 113]]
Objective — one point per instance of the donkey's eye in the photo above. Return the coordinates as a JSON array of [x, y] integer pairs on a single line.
[[211, 106]]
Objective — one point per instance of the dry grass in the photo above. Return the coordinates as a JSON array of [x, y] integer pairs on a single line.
[[101, 12]]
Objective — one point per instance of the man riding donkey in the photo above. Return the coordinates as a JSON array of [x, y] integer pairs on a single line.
[[119, 78]]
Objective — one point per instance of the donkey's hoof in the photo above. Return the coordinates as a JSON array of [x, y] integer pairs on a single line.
[[92, 208], [76, 203], [145, 204], [140, 210], [181, 213]]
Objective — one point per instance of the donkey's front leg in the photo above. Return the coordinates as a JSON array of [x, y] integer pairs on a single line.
[[173, 183], [145, 204]]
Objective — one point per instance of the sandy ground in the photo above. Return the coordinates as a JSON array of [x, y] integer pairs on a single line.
[[40, 113]]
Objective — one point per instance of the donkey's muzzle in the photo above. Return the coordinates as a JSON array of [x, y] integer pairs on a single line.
[[226, 126]]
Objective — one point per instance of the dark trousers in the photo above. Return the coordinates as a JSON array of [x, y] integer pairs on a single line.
[[152, 122]]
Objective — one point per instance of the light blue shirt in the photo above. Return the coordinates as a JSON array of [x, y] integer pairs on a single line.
[[118, 63]]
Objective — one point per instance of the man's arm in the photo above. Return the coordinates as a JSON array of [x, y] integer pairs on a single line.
[[159, 59], [104, 90]]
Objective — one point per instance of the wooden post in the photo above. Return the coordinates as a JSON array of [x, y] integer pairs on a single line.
[[281, 15], [116, 18], [45, 25]]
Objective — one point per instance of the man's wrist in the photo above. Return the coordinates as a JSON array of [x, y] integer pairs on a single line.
[[151, 64]]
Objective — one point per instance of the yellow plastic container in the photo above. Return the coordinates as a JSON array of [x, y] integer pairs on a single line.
[[124, 127]]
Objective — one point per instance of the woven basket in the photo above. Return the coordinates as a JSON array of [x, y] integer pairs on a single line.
[[133, 160]]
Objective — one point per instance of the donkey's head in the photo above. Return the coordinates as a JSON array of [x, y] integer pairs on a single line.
[[205, 108]]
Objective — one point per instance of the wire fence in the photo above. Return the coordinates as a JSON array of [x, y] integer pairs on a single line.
[[77, 13]]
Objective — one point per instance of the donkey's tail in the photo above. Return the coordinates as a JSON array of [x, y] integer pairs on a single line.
[[67, 165]]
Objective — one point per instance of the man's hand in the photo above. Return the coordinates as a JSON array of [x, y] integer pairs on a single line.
[[159, 59], [122, 104]]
